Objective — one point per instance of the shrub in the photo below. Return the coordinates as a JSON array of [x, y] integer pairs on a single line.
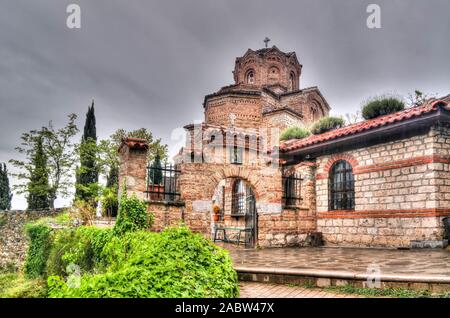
[[295, 132], [83, 211], [110, 202], [174, 263], [82, 246], [39, 249], [132, 215], [326, 124], [382, 105]]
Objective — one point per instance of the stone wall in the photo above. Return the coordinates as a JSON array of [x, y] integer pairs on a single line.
[[13, 241], [401, 192]]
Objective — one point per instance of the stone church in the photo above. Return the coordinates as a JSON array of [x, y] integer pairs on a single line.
[[383, 182]]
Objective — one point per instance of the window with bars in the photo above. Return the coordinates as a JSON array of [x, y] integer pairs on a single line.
[[162, 183], [292, 190], [341, 186], [238, 198]]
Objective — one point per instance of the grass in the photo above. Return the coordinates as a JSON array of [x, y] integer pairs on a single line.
[[15, 285], [385, 292]]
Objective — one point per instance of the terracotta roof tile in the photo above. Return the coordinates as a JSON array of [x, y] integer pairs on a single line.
[[406, 114]]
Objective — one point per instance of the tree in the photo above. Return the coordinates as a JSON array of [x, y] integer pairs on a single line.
[[58, 149], [5, 191], [156, 175], [38, 186], [88, 171]]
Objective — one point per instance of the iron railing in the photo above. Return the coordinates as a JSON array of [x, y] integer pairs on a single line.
[[163, 183], [292, 187]]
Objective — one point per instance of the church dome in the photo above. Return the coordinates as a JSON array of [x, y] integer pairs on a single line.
[[268, 67]]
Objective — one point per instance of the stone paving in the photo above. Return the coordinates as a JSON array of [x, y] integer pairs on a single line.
[[420, 263], [262, 290]]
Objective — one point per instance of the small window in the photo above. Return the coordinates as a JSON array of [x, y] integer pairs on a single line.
[[250, 78], [292, 190], [292, 81], [236, 155], [238, 198], [342, 186]]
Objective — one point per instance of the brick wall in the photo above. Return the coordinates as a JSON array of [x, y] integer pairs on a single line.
[[401, 192]]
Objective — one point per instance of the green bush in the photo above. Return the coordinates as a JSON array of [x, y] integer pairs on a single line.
[[40, 242], [326, 124], [295, 132], [382, 105], [174, 263], [132, 215], [82, 246]]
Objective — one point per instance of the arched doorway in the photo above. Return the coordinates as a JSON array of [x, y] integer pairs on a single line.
[[238, 221]]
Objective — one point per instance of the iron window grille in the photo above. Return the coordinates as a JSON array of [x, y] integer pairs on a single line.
[[239, 195], [341, 186], [292, 189], [165, 189]]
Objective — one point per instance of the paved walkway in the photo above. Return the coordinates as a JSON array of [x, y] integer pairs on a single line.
[[418, 265], [262, 290]]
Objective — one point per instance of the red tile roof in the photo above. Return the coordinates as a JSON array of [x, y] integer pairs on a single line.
[[406, 114]]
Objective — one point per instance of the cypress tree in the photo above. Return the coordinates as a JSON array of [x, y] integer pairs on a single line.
[[156, 172], [5, 191], [38, 186], [88, 171]]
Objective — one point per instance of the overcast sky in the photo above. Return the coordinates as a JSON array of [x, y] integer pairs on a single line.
[[149, 63]]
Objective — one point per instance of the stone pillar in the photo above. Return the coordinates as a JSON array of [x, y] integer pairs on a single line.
[[133, 166]]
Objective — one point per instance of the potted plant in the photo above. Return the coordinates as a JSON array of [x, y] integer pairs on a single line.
[[216, 215]]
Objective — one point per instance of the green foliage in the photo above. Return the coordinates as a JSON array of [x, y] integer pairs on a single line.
[[295, 132], [132, 215], [40, 236], [326, 124], [88, 171], [58, 149], [5, 191], [81, 246], [38, 186], [2, 219], [110, 203], [14, 285], [156, 175], [174, 263], [386, 292], [382, 105]]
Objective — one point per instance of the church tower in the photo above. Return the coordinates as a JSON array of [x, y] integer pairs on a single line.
[[268, 67]]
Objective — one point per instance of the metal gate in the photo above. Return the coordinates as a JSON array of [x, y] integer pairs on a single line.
[[251, 219]]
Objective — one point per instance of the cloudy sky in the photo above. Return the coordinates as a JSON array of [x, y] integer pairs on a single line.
[[149, 63]]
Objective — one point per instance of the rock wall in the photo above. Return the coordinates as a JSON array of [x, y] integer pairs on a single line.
[[13, 241]]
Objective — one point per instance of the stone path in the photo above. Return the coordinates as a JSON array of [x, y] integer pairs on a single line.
[[418, 263], [262, 290]]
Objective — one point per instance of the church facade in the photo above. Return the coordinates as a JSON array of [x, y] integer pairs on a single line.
[[382, 183]]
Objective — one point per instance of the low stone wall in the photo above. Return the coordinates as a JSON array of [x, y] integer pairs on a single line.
[[13, 241], [290, 228], [380, 232]]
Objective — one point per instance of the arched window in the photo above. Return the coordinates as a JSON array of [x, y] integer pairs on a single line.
[[238, 198], [250, 77], [292, 81], [342, 186]]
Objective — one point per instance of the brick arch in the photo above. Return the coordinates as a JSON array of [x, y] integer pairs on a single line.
[[233, 172], [347, 157]]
